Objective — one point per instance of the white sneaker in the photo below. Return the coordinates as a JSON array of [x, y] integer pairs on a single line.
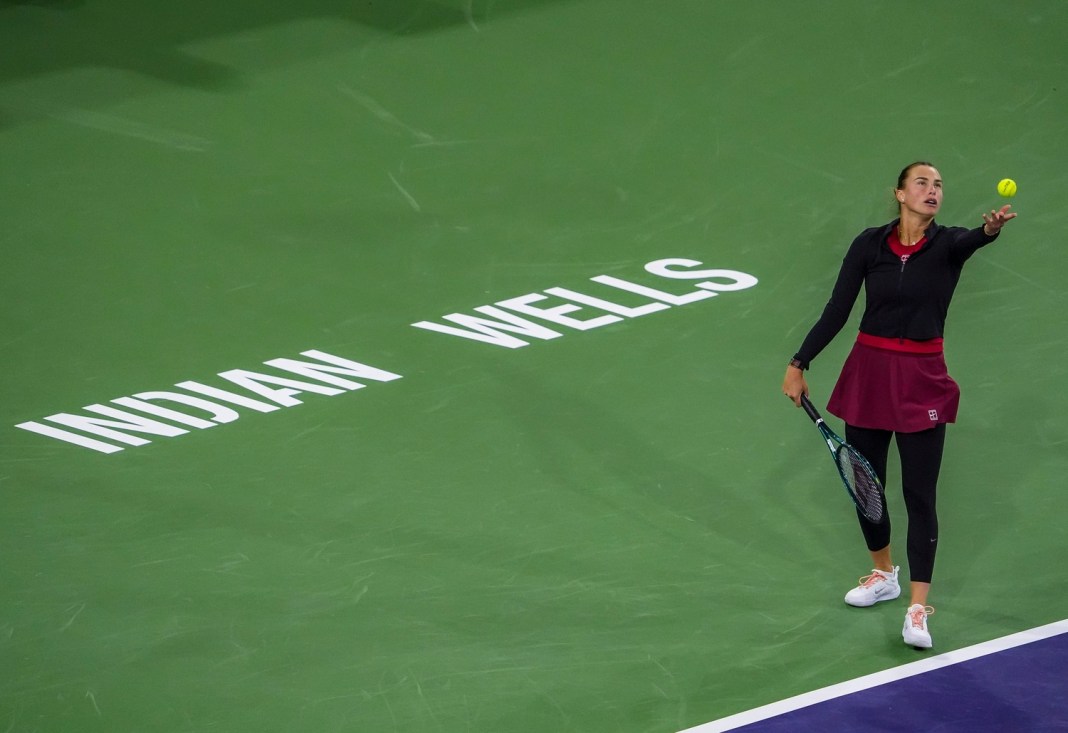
[[879, 586], [915, 632]]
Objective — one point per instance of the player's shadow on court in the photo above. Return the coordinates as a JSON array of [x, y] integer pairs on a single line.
[[46, 36], [164, 41]]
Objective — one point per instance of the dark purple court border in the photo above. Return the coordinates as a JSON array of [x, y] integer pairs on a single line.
[[1022, 689]]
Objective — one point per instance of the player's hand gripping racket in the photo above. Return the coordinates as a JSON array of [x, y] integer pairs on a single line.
[[857, 474]]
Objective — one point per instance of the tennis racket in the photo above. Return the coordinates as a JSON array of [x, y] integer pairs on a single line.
[[859, 477]]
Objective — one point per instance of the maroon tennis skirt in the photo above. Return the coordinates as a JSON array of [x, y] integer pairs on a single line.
[[894, 390]]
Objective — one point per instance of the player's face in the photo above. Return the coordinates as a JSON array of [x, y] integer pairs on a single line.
[[922, 192]]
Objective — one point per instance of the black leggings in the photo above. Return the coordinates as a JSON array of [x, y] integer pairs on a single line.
[[921, 459]]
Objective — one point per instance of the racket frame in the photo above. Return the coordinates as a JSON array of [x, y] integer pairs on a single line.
[[836, 444]]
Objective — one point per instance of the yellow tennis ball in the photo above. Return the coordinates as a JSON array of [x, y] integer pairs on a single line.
[[1007, 187]]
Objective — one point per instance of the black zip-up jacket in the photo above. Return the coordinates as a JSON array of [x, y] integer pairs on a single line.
[[902, 300]]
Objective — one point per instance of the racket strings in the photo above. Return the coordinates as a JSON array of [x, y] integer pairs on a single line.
[[862, 482]]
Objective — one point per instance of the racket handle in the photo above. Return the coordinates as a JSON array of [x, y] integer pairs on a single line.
[[810, 409]]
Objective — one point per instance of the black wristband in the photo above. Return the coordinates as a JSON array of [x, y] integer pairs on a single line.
[[797, 363]]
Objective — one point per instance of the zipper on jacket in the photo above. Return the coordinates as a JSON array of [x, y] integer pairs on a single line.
[[900, 279]]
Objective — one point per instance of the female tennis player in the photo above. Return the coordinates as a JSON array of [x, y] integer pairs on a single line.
[[894, 381]]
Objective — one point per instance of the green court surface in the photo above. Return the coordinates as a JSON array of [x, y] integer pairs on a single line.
[[623, 527]]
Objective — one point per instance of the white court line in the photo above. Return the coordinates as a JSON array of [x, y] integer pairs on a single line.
[[881, 678]]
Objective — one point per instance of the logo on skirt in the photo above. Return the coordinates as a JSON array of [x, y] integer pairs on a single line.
[[933, 414]]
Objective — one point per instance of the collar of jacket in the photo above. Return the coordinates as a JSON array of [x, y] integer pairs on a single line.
[[930, 232]]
